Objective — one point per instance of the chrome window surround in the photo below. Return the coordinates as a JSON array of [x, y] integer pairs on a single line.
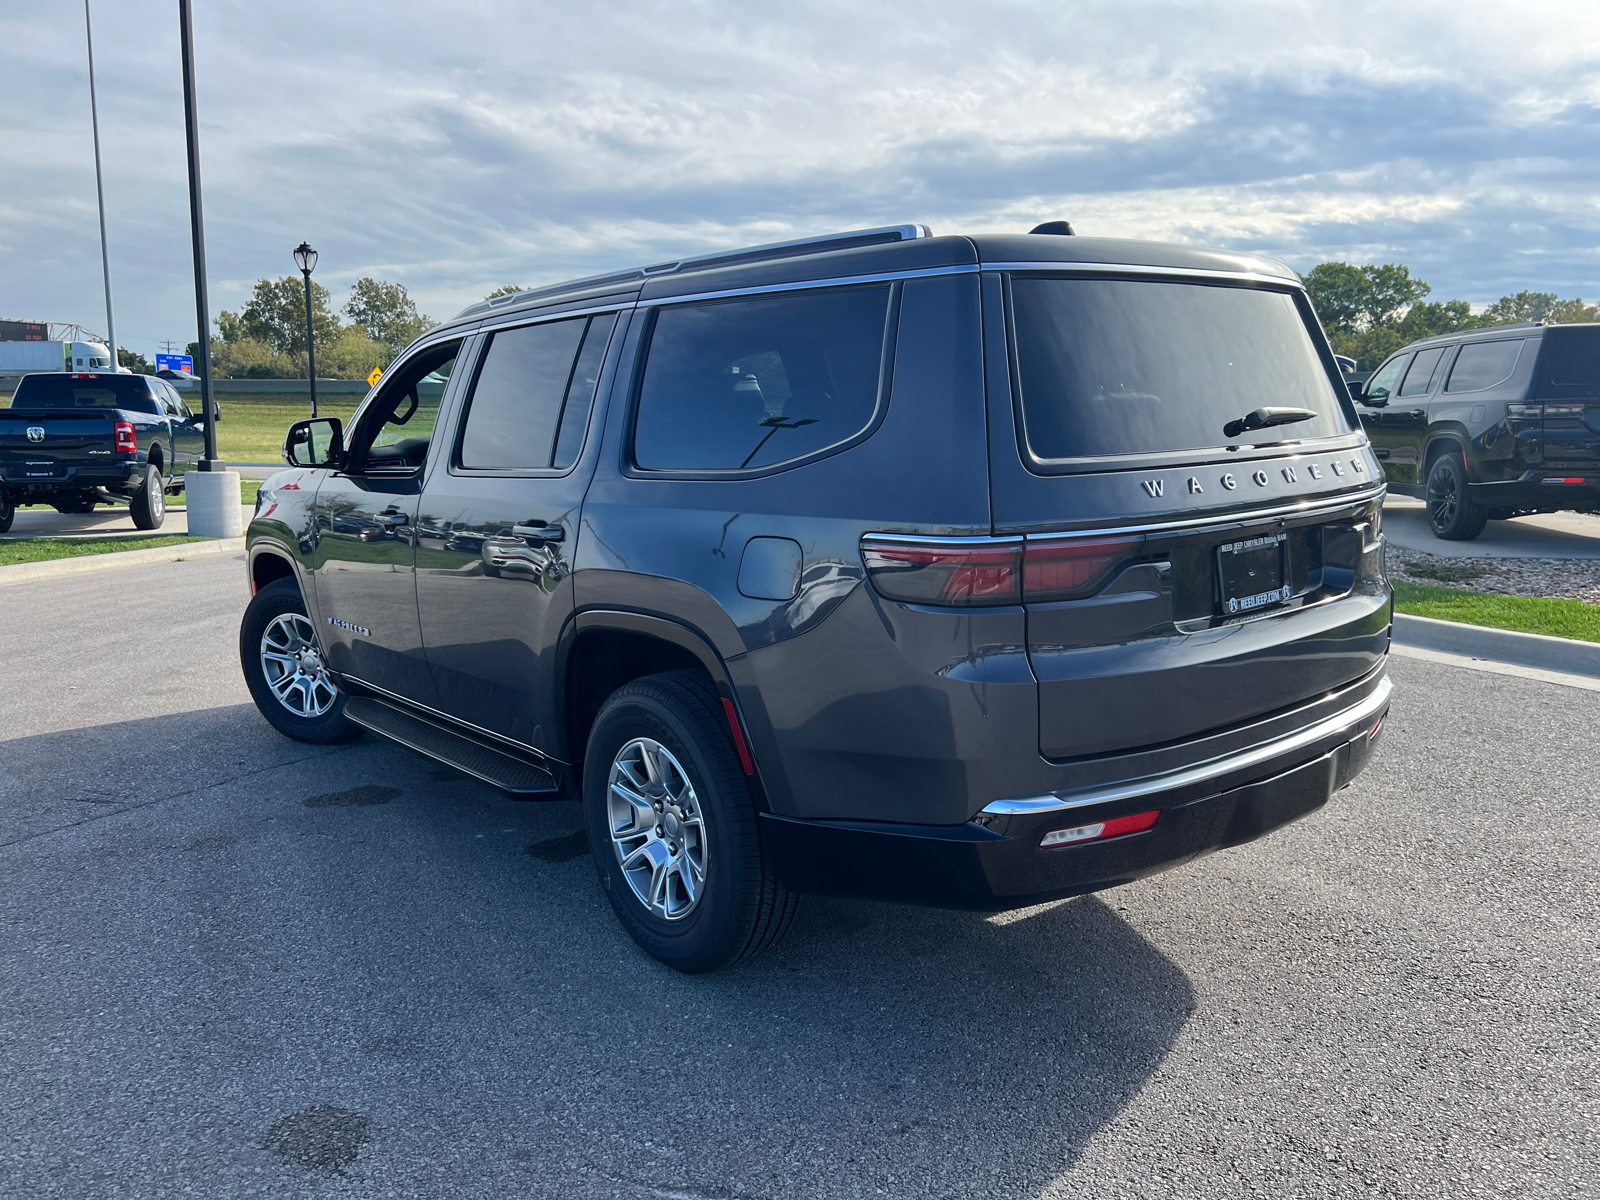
[[1058, 802]]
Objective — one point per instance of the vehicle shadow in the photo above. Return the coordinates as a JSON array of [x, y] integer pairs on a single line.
[[358, 927]]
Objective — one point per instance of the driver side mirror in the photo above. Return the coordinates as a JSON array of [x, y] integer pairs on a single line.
[[1377, 398], [314, 443]]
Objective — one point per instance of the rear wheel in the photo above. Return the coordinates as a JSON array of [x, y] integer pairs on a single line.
[[8, 513], [1452, 514], [149, 503], [672, 826], [284, 669]]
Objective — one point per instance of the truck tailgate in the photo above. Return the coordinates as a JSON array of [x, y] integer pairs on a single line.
[[46, 444]]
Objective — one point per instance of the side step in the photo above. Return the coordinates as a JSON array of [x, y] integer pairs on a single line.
[[501, 768]]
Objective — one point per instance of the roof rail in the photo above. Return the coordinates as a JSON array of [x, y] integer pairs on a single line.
[[794, 248]]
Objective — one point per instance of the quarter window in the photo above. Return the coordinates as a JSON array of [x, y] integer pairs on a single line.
[[1482, 365], [749, 383]]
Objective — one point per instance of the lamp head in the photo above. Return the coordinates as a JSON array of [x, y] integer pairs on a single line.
[[305, 258]]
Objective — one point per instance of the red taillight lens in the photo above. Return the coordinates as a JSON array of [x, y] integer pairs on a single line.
[[1100, 831], [125, 439], [1070, 568], [953, 572]]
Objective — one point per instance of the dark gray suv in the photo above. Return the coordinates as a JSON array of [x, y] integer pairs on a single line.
[[963, 571]]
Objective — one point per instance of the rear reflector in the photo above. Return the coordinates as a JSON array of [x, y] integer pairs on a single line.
[[1566, 479], [965, 572], [1102, 830], [126, 443]]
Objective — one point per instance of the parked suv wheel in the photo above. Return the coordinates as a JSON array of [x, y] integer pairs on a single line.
[[673, 827], [149, 503], [8, 513], [284, 669], [1452, 515]]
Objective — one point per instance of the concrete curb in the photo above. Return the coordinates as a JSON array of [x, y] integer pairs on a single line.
[[117, 560], [1534, 650]]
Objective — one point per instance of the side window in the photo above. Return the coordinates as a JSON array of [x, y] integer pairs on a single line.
[[397, 428], [1421, 372], [518, 395], [1482, 365], [1387, 376], [754, 382]]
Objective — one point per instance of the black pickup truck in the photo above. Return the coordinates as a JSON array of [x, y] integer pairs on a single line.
[[77, 440]]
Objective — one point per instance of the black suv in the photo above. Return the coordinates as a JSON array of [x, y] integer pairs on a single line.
[[963, 571], [1492, 424]]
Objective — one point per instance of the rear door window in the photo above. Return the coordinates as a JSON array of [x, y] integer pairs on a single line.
[[760, 381], [1482, 365], [1118, 367], [1421, 373]]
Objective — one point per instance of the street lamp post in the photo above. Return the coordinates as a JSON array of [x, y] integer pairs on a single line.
[[306, 259]]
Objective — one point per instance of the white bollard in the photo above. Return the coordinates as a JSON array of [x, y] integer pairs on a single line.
[[212, 498]]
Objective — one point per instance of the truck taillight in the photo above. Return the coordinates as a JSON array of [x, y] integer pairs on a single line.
[[965, 572], [126, 444]]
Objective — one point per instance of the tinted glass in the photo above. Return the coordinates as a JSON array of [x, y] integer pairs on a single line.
[[1386, 376], [1574, 357], [102, 391], [1112, 366], [754, 382], [580, 392], [1482, 365], [1421, 372], [516, 403]]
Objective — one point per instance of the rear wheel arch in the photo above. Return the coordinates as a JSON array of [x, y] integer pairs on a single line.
[[156, 458], [603, 651], [1448, 442]]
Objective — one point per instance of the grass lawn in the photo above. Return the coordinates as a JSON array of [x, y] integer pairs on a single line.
[[1525, 614], [252, 426], [45, 549]]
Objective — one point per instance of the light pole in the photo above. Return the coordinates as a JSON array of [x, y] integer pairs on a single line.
[[306, 259], [191, 130], [100, 193]]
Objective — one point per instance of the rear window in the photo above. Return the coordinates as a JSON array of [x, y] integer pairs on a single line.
[[1482, 365], [743, 384], [1574, 358], [97, 391], [1115, 367]]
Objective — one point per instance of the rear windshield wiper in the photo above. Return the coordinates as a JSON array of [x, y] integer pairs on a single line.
[[1263, 417]]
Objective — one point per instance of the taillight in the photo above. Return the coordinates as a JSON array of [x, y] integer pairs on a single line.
[[966, 572], [126, 444], [961, 572], [1102, 830], [1070, 568]]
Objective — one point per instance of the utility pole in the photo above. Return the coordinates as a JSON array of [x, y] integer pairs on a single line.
[[202, 305], [100, 191]]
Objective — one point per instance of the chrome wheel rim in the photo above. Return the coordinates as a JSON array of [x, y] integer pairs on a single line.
[[293, 666], [657, 829], [1442, 497], [158, 499]]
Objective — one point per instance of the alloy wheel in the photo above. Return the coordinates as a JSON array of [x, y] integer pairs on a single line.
[[657, 828], [293, 666], [1443, 497]]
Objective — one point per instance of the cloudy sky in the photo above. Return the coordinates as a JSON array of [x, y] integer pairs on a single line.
[[455, 147]]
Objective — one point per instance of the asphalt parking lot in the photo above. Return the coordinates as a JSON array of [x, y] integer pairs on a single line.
[[233, 965]]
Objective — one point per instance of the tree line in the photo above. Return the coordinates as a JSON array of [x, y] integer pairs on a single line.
[[266, 339], [1370, 311]]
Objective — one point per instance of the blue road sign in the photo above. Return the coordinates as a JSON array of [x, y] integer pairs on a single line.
[[175, 362]]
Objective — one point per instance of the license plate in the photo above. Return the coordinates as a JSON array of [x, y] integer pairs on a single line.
[[1250, 574]]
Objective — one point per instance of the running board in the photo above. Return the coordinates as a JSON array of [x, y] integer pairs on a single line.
[[499, 767]]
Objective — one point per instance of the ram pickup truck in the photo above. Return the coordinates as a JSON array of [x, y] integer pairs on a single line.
[[74, 440]]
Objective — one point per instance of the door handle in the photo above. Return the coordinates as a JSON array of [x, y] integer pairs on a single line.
[[1381, 453], [541, 533], [391, 518]]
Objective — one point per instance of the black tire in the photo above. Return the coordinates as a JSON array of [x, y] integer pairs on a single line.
[[149, 503], [8, 513], [741, 908], [1452, 514], [282, 599]]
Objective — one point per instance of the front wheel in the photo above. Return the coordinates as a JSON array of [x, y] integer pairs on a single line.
[[8, 513], [149, 503], [1452, 514], [284, 669], [672, 827]]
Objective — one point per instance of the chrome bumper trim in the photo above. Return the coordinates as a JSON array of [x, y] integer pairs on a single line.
[[1212, 770]]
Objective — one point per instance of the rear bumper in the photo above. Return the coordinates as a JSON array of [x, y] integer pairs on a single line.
[[1545, 489], [119, 475], [995, 861]]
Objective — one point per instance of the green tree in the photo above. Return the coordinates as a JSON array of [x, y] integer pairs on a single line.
[[1390, 291], [505, 289], [1540, 306], [1338, 292], [1433, 317], [276, 315], [134, 361], [386, 312]]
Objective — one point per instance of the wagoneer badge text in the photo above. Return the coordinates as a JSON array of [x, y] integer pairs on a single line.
[[350, 625], [1157, 488]]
